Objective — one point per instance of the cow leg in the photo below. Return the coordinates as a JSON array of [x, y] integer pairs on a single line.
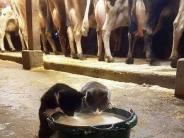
[[43, 40], [118, 40], [51, 42], [71, 43], [177, 34], [148, 47], [100, 47], [106, 41], [22, 40], [78, 37], [8, 37], [25, 38], [2, 49], [62, 40], [85, 23], [132, 41]]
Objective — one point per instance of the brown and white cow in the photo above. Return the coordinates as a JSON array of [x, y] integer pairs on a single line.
[[75, 13], [6, 14], [9, 23], [178, 27], [56, 14], [82, 15], [46, 26], [19, 8], [109, 14]]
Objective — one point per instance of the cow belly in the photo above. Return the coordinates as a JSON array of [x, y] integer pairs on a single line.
[[100, 13], [11, 27]]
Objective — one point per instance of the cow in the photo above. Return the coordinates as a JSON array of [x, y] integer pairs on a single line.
[[96, 11], [141, 18], [75, 14], [109, 15], [46, 27], [19, 10], [146, 19], [56, 17], [178, 27], [6, 14], [9, 23], [39, 17]]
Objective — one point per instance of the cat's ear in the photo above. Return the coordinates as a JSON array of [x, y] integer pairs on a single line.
[[58, 95], [88, 94], [60, 92]]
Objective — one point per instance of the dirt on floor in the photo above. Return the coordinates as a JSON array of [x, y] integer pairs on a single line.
[[160, 114]]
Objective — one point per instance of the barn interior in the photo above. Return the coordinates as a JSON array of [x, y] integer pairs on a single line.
[[155, 92]]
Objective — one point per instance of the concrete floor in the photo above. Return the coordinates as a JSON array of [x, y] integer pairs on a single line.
[[162, 74], [160, 114], [163, 68]]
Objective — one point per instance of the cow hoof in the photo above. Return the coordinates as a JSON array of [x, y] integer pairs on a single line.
[[81, 57], [67, 55], [56, 52], [148, 60], [85, 33], [174, 62], [46, 52], [130, 61], [110, 59], [2, 50], [24, 48], [101, 58], [152, 61], [74, 56], [12, 50]]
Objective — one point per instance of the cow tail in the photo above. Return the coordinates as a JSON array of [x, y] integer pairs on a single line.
[[132, 17]]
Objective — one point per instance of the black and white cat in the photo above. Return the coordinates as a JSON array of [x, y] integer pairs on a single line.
[[97, 97], [59, 97]]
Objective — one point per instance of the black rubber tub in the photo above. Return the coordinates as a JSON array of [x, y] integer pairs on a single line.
[[118, 130]]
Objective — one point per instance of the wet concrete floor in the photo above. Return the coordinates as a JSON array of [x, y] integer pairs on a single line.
[[160, 114]]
